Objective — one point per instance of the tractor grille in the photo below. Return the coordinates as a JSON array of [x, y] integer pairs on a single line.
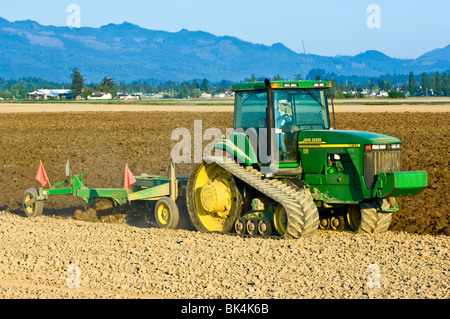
[[380, 161]]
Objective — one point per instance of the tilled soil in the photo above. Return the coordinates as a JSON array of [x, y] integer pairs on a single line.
[[39, 256], [127, 257]]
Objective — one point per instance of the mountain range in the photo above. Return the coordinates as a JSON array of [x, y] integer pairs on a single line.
[[127, 52]]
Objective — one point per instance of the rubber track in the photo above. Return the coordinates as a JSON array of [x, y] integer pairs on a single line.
[[302, 213]]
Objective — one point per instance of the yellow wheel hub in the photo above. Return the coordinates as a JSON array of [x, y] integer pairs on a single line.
[[163, 214], [215, 197], [30, 208]]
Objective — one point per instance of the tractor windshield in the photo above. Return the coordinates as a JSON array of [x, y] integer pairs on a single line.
[[301, 109]]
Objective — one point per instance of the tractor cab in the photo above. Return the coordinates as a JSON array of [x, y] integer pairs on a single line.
[[285, 107]]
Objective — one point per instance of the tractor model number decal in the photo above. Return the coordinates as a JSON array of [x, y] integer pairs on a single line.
[[318, 143]]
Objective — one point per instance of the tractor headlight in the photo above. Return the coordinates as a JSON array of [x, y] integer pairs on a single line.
[[382, 147]]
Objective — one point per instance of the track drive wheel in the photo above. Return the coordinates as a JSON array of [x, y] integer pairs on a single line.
[[368, 217], [166, 213], [213, 199], [31, 206]]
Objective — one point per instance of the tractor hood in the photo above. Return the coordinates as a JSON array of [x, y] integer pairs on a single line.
[[333, 138], [315, 145]]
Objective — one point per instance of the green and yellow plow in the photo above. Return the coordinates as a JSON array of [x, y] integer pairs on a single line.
[[164, 190]]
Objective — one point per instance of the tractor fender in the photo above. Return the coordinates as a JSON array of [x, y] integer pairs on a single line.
[[243, 152]]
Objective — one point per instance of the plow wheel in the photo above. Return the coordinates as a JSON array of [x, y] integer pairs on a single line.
[[369, 218], [213, 199], [31, 206], [166, 213]]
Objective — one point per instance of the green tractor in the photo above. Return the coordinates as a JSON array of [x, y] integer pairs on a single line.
[[286, 171]]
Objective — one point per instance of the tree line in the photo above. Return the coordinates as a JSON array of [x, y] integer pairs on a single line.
[[425, 84], [430, 85], [171, 89], [397, 85]]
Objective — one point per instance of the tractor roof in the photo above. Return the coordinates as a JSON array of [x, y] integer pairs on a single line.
[[255, 86]]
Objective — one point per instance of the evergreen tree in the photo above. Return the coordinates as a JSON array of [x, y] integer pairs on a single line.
[[425, 84], [277, 78], [388, 86], [371, 84], [381, 84], [77, 82], [436, 84], [204, 86], [194, 85], [445, 84], [411, 85], [107, 85]]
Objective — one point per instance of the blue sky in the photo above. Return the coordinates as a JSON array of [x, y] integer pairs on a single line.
[[407, 28]]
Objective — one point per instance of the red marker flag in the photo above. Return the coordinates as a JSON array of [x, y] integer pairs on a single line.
[[129, 178], [41, 175]]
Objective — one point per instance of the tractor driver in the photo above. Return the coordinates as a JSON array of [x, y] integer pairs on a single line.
[[282, 118]]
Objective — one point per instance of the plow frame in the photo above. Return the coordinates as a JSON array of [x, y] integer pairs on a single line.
[[146, 187]]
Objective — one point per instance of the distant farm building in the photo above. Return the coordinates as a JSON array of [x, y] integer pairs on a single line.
[[205, 96], [100, 96], [134, 96], [44, 94]]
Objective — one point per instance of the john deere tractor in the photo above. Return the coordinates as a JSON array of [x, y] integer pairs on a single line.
[[286, 171]]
